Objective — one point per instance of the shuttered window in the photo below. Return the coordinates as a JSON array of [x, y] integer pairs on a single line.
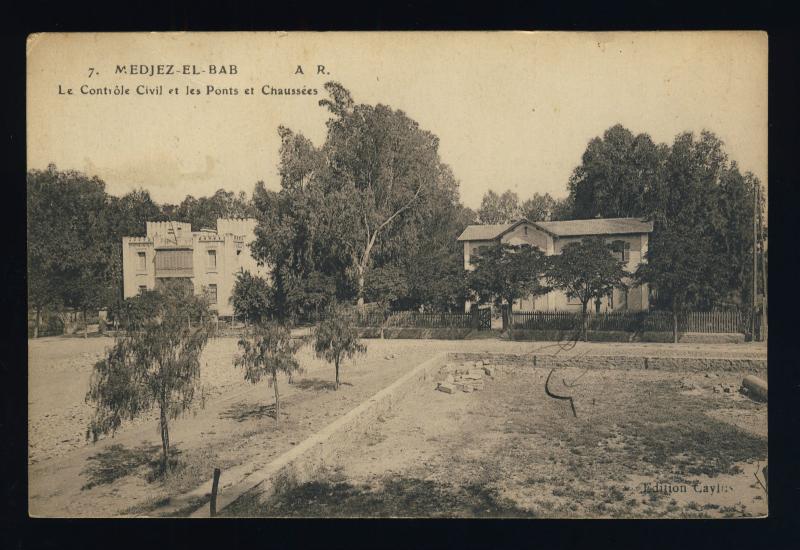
[[173, 260]]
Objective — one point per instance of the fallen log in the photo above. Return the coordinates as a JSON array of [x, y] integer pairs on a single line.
[[755, 386]]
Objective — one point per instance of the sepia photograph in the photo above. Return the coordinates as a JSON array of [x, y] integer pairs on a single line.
[[397, 275]]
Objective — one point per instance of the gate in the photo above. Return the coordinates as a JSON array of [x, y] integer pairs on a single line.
[[481, 318]]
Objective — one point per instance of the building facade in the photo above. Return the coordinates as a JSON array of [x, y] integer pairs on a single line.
[[207, 260], [631, 234]]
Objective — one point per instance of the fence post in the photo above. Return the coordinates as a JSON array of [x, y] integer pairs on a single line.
[[214, 488]]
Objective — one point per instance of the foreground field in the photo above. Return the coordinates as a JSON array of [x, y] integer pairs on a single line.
[[643, 444], [233, 423]]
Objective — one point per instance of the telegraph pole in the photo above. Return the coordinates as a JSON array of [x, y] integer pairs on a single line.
[[755, 260], [764, 321]]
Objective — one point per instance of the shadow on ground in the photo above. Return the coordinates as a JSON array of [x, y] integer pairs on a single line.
[[317, 384], [395, 497], [118, 461], [241, 412]]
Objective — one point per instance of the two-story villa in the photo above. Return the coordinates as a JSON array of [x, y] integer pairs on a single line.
[[207, 259], [550, 237]]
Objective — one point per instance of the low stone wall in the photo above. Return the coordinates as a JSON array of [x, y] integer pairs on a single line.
[[392, 333], [620, 336], [549, 360]]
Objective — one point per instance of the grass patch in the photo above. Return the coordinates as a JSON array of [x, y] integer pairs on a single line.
[[637, 424], [395, 497]]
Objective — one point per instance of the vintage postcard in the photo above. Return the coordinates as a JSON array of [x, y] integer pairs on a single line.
[[400, 274]]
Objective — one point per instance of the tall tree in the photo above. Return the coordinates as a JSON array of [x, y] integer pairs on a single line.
[[385, 161], [563, 209], [203, 212], [587, 270], [356, 203], [69, 251], [616, 175], [686, 258], [496, 208], [693, 193], [157, 363], [538, 208]]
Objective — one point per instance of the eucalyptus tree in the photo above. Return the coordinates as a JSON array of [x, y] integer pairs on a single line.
[[155, 363], [267, 350]]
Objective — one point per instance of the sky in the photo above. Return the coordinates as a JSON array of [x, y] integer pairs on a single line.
[[512, 110]]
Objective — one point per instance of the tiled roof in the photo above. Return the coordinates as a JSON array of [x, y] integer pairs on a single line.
[[597, 226], [567, 228], [483, 232]]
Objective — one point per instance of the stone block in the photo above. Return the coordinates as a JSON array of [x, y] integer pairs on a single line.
[[446, 388]]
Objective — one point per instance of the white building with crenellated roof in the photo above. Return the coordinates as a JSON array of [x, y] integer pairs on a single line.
[[208, 260]]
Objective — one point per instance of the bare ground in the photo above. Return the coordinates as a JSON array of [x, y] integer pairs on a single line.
[[70, 477], [642, 445]]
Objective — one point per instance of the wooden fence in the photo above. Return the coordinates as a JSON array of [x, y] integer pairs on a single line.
[[635, 321], [413, 319]]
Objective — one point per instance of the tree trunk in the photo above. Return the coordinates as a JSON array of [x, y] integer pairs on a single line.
[[674, 325], [585, 321], [38, 321], [336, 384], [85, 325], [164, 437], [360, 286], [277, 396]]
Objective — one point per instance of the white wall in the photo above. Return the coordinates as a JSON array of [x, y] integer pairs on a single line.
[[132, 276]]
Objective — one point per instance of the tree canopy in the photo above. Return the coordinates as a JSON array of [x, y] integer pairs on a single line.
[[505, 273], [251, 297], [587, 270], [75, 231], [336, 338], [374, 196], [700, 253], [266, 350]]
